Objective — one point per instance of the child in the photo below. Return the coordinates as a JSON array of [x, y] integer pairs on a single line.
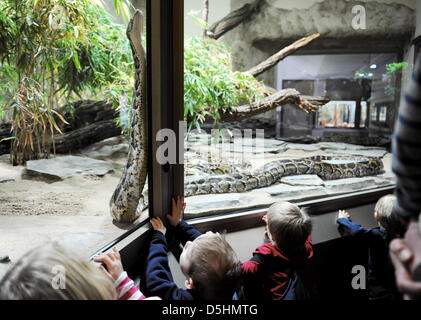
[[381, 281], [209, 263], [277, 264], [53, 272]]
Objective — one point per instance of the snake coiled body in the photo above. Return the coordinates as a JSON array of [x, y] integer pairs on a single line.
[[128, 201], [327, 168]]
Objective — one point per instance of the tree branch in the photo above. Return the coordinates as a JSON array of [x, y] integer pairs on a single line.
[[277, 99], [233, 19], [205, 16], [282, 54]]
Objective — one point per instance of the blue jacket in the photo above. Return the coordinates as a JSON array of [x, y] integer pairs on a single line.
[[381, 280], [159, 280]]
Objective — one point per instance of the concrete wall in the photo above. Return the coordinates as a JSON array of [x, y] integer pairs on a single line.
[[305, 4]]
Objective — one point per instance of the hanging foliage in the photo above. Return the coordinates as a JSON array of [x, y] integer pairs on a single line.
[[211, 88], [52, 51]]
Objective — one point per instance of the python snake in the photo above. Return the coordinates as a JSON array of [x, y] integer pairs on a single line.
[[128, 202], [327, 168]]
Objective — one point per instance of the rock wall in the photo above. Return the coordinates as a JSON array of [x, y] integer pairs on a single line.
[[389, 27]]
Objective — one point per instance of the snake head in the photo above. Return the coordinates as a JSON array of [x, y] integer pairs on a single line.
[[135, 29]]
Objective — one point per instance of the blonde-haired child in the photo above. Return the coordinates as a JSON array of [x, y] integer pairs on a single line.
[[273, 272], [209, 263], [381, 280], [55, 272]]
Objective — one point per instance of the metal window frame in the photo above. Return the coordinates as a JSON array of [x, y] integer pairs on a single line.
[[165, 98], [165, 76]]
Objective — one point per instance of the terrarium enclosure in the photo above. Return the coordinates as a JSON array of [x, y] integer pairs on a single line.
[[283, 100]]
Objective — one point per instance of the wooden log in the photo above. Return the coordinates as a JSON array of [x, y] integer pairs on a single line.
[[5, 133], [282, 54], [85, 136], [89, 122], [233, 19], [85, 112]]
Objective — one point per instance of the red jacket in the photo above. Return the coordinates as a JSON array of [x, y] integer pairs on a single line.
[[268, 272]]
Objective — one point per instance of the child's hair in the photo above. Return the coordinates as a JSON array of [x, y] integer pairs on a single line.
[[383, 211], [289, 227], [35, 277], [214, 267]]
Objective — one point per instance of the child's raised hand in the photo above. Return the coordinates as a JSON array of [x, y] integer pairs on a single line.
[[158, 225], [112, 261], [265, 218], [178, 206], [343, 214]]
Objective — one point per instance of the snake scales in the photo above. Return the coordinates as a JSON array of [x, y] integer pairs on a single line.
[[327, 168], [128, 201]]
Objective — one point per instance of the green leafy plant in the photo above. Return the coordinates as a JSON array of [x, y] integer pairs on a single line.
[[393, 71], [53, 51], [396, 66], [211, 88]]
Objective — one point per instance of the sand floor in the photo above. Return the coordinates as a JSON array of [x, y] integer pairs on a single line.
[[73, 210]]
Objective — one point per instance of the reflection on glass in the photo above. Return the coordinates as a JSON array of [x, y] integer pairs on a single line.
[[338, 114], [382, 114], [363, 114]]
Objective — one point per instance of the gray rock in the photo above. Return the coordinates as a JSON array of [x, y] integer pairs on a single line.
[[293, 192], [4, 258], [7, 180], [211, 204], [360, 152], [107, 149], [353, 184], [67, 167], [305, 147], [268, 143], [303, 180], [258, 149]]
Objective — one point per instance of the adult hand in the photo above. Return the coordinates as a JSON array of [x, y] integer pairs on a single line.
[[402, 256], [178, 206], [406, 257], [158, 225]]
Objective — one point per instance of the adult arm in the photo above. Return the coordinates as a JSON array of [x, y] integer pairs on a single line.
[[406, 146]]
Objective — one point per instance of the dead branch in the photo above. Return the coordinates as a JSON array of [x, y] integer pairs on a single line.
[[233, 19], [282, 54]]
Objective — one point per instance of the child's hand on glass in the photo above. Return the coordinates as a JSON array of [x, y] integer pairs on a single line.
[[178, 206], [265, 218], [112, 261], [158, 225], [343, 214]]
